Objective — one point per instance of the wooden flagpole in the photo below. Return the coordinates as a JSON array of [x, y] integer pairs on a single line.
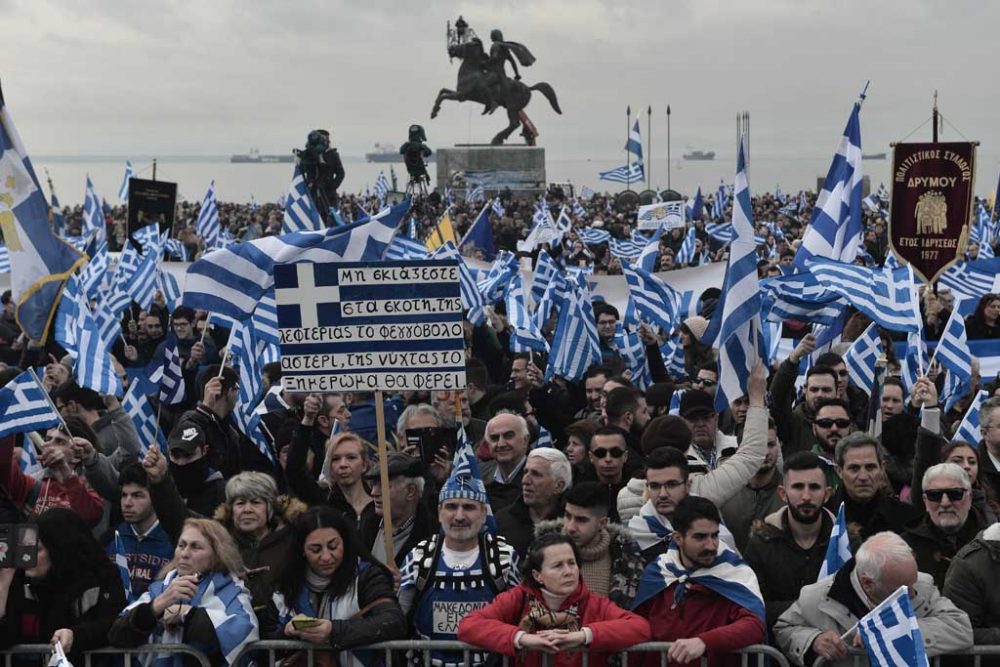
[[383, 470]]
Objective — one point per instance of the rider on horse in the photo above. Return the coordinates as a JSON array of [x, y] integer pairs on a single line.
[[501, 53]]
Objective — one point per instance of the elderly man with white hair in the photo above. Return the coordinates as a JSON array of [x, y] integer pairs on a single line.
[[547, 475], [507, 436], [950, 523], [826, 611]]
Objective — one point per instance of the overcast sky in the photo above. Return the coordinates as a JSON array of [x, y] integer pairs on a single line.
[[127, 77]]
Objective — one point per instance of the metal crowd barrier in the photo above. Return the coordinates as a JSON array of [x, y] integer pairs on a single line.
[[45, 650], [759, 652], [859, 658]]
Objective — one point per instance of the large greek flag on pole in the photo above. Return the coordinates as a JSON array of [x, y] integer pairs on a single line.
[[891, 634], [655, 301], [232, 280], [24, 407], [207, 225], [838, 550], [736, 322], [835, 226], [629, 173], [40, 263]]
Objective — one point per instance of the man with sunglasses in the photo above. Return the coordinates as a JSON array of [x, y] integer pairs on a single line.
[[950, 523], [608, 455], [795, 421], [830, 425]]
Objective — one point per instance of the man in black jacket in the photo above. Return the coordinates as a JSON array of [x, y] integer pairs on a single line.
[[410, 524], [788, 550], [547, 475]]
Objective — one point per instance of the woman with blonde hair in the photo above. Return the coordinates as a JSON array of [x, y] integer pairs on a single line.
[[342, 484], [199, 601]]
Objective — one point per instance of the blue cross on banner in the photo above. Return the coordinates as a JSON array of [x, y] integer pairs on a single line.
[[366, 326]]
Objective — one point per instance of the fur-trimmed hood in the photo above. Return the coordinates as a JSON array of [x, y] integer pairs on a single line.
[[617, 532], [286, 510], [775, 519]]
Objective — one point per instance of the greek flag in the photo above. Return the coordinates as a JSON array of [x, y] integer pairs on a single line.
[[140, 282], [109, 327], [232, 280], [720, 202], [586, 192], [728, 576], [273, 401], [137, 406], [634, 143], [673, 358], [169, 373], [526, 335], [170, 289], [891, 634], [575, 346], [655, 301], [722, 232], [208, 226], [404, 248], [301, 214], [148, 237], [93, 216], [577, 209], [123, 190], [39, 262], [79, 334], [953, 349], [476, 194], [651, 252], [245, 352], [687, 252], [860, 358], [28, 462], [968, 430], [736, 323], [472, 300], [627, 249], [591, 236], [801, 297], [381, 187], [497, 207], [633, 352], [972, 278], [176, 249], [838, 550], [835, 225], [4, 259], [501, 273], [629, 173], [25, 407], [121, 563], [545, 269], [887, 296]]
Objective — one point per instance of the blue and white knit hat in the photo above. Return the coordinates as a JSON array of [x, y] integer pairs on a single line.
[[464, 481]]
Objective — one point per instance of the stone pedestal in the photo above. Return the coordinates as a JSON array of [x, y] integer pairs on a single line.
[[520, 168]]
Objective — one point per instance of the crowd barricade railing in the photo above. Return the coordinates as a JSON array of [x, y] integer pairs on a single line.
[[981, 656], [45, 650], [757, 654]]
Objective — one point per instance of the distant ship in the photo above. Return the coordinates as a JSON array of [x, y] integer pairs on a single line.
[[256, 157], [388, 153], [873, 156], [699, 155]]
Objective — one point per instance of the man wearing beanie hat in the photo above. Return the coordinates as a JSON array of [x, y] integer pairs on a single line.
[[461, 569], [697, 325]]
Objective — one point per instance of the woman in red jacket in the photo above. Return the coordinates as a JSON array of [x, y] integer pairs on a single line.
[[552, 611]]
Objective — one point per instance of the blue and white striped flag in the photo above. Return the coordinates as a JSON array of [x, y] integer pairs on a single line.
[[78, 333], [171, 290], [301, 214], [886, 296], [720, 203], [860, 358], [404, 248], [891, 634], [25, 407], [169, 375], [545, 269], [109, 326], [650, 252], [176, 249], [575, 346], [952, 350], [838, 550], [634, 142], [28, 462], [628, 249], [633, 352], [968, 431], [232, 280], [476, 194], [381, 187], [673, 359], [591, 236], [497, 207], [121, 563], [629, 173], [4, 259], [208, 226], [720, 231], [245, 349], [835, 226], [140, 283], [799, 296], [735, 325], [93, 274], [273, 401], [972, 279], [123, 189], [148, 238], [504, 269], [93, 216], [472, 299], [526, 335], [137, 406], [687, 252], [265, 319], [655, 301]]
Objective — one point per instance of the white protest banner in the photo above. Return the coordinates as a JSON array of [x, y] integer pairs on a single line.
[[366, 326], [668, 214]]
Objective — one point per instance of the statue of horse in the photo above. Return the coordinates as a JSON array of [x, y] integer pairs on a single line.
[[472, 87]]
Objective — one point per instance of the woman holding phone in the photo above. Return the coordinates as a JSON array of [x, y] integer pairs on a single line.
[[199, 601], [328, 592]]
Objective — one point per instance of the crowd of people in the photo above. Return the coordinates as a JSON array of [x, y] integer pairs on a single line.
[[590, 516]]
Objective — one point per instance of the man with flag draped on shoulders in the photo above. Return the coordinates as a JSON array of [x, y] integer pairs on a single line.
[[700, 595]]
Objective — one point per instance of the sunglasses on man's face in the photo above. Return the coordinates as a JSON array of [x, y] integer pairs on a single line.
[[829, 423], [614, 452], [935, 495]]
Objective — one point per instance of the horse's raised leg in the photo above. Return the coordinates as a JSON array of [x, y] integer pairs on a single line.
[[515, 122], [445, 94]]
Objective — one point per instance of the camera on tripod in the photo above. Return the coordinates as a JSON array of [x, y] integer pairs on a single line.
[[322, 171]]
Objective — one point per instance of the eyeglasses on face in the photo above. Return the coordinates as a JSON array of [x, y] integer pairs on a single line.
[[614, 452], [669, 485], [829, 423], [935, 495]]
